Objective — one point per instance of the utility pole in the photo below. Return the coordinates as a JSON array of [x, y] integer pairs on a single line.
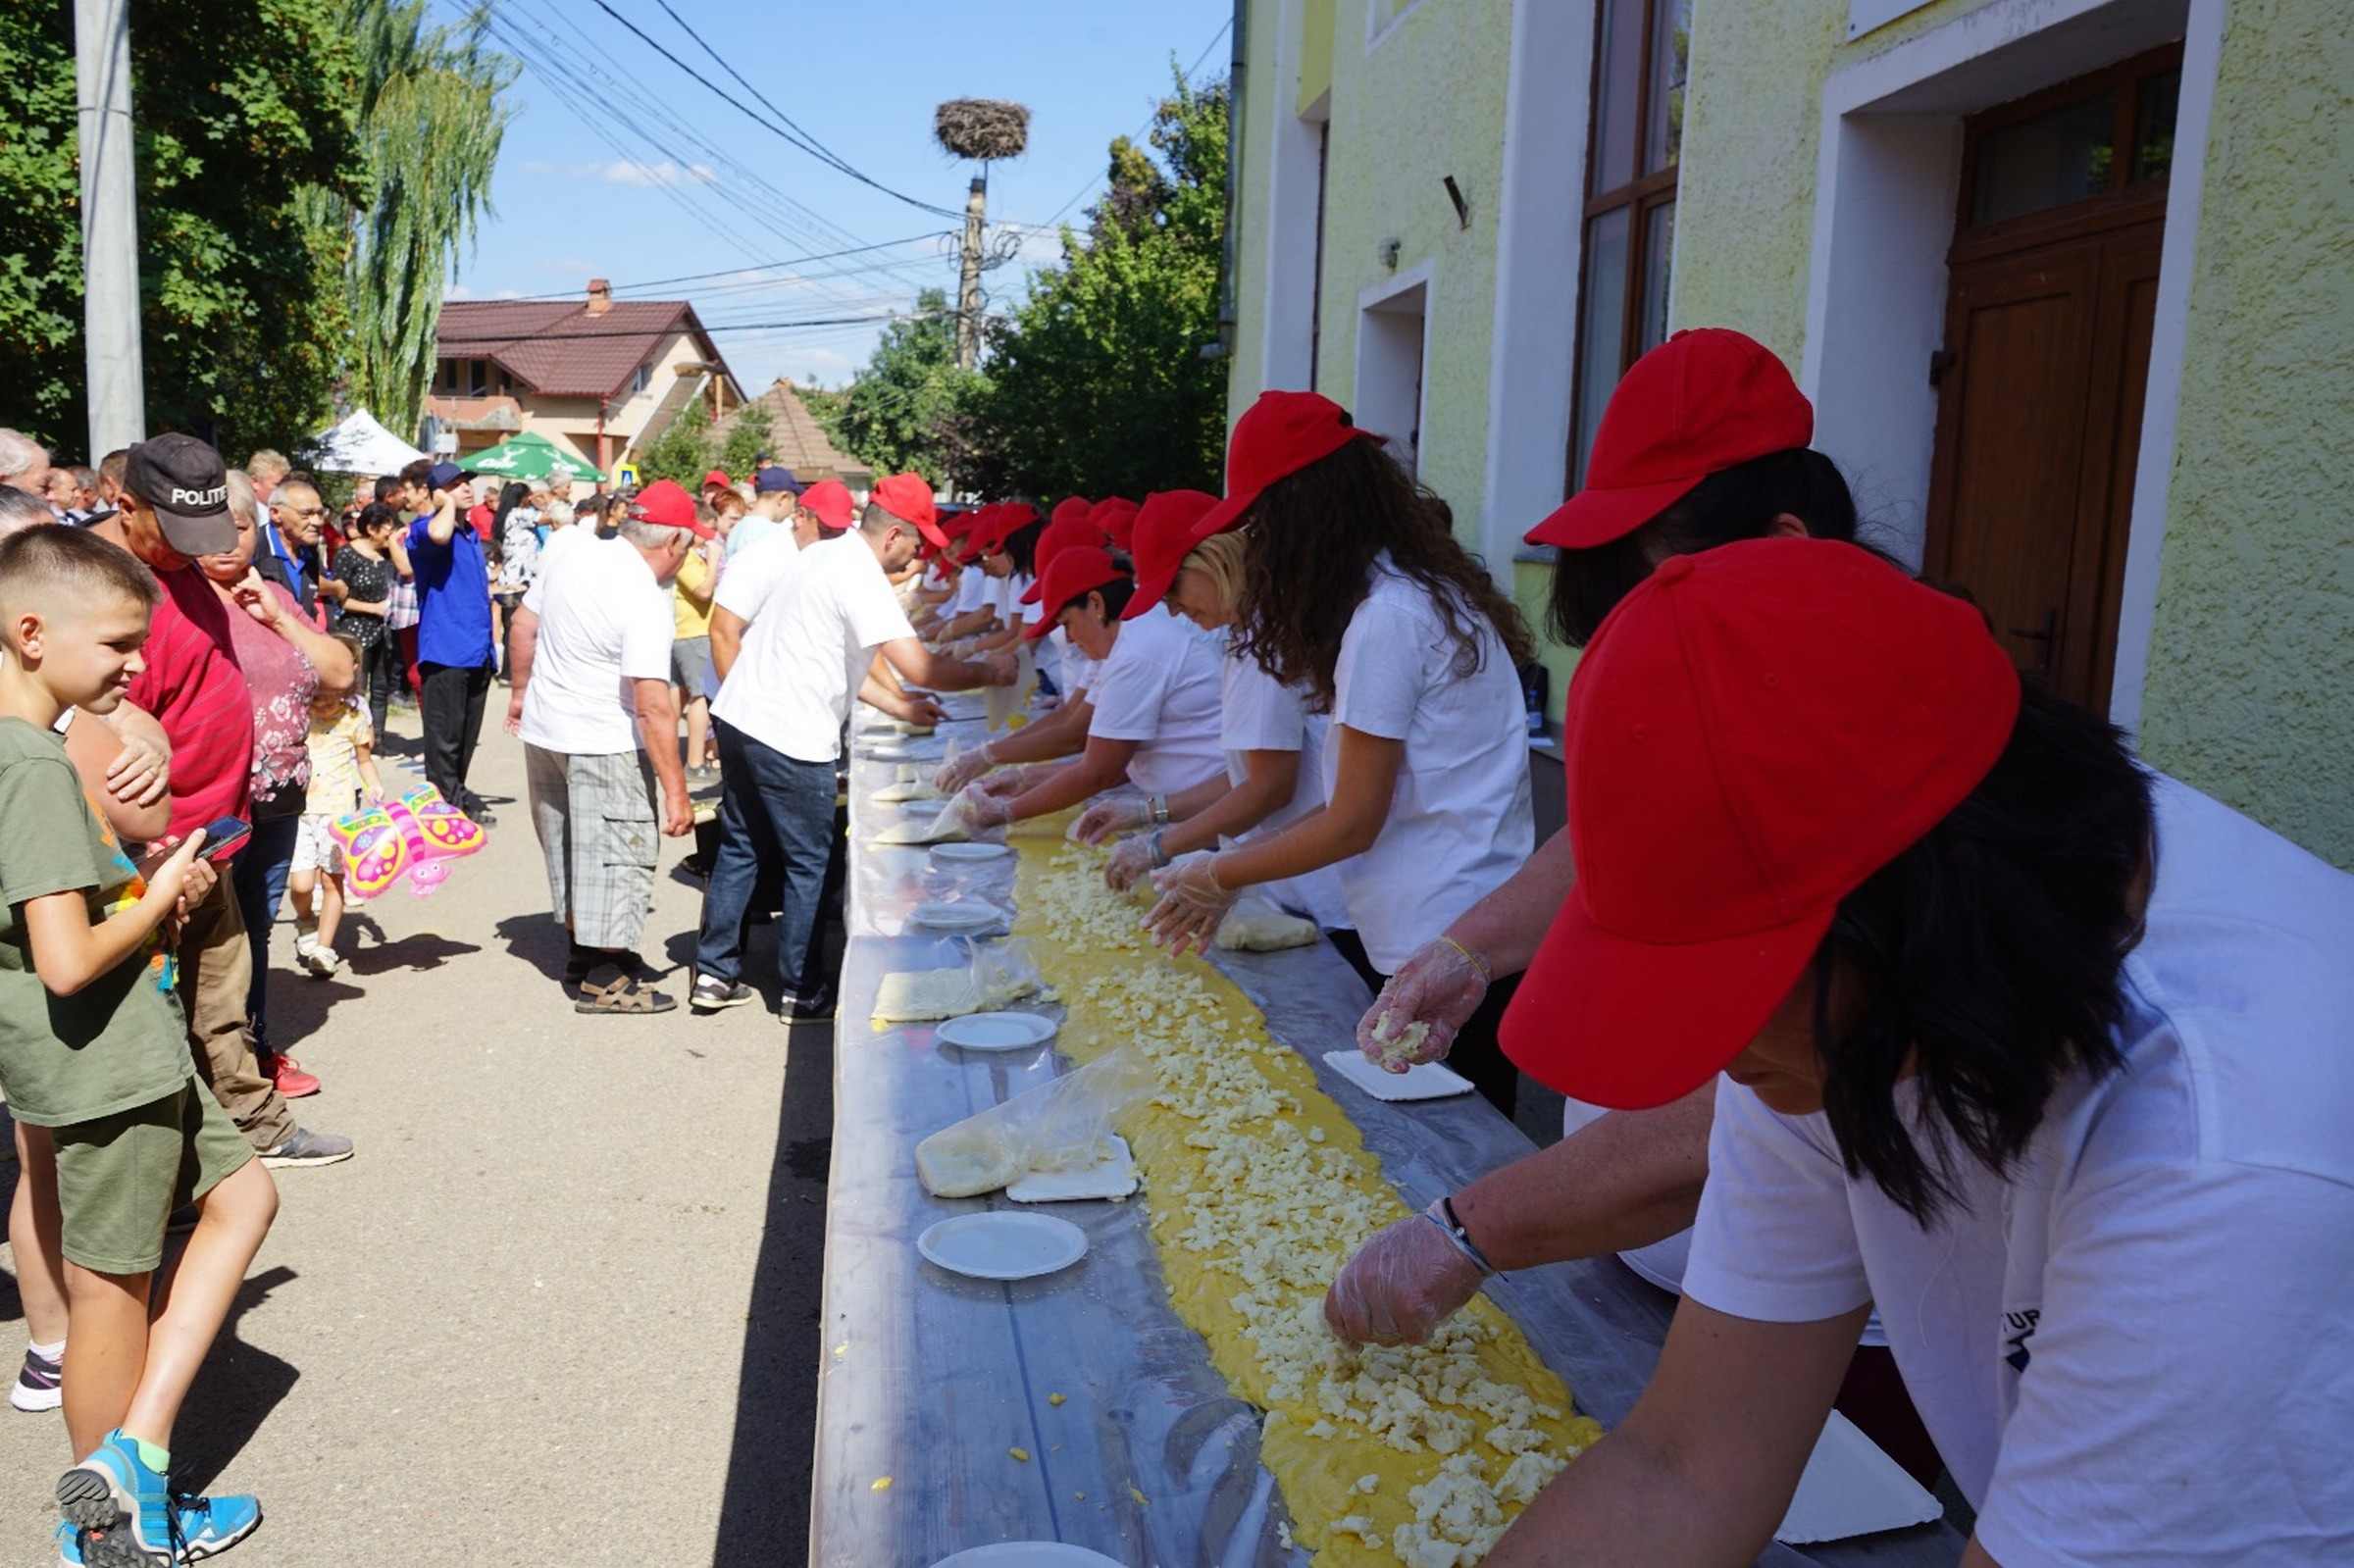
[[109, 226], [968, 285]]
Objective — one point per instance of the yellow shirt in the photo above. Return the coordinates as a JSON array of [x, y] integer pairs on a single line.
[[694, 580]]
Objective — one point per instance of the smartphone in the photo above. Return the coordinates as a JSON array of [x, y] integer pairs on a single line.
[[225, 837]]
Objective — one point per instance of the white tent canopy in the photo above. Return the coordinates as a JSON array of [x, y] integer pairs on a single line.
[[359, 446]]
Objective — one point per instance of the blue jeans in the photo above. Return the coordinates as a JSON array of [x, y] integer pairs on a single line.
[[776, 812], [259, 874]]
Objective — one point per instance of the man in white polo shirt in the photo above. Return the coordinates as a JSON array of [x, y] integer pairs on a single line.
[[593, 706], [809, 633]]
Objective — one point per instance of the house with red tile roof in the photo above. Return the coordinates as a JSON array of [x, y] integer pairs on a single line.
[[602, 377]]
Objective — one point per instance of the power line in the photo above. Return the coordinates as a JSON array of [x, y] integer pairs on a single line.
[[781, 124], [1223, 29], [729, 271]]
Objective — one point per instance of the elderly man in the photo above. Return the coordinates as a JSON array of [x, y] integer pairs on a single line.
[[803, 629], [23, 462], [776, 500], [286, 550], [599, 726], [453, 630], [174, 509]]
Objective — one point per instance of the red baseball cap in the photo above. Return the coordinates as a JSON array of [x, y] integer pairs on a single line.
[[1066, 531], [909, 497], [718, 477], [1276, 438], [666, 506], [1116, 517], [1075, 571], [1704, 401], [1012, 517], [830, 502], [1751, 734], [1167, 528], [1073, 509]]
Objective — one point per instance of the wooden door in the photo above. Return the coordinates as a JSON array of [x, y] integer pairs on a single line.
[[2049, 315]]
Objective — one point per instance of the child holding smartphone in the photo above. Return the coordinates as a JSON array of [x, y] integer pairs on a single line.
[[92, 1048], [343, 779]]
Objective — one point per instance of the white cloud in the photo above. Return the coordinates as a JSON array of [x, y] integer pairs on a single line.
[[622, 172], [459, 291]]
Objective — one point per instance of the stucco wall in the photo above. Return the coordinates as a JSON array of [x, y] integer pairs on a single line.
[[2251, 683], [1267, 90], [1427, 103]]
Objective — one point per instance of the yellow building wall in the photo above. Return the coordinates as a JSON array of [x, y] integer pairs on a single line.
[[2251, 684]]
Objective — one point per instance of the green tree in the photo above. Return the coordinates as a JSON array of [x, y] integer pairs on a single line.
[[901, 411], [747, 437], [1098, 384], [242, 312], [682, 453], [430, 120]]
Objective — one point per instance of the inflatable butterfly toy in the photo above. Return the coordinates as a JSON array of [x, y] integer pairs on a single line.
[[414, 837]]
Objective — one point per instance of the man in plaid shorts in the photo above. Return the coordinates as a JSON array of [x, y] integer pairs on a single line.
[[593, 706]]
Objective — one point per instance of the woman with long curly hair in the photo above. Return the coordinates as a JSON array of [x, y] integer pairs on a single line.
[[1356, 591]]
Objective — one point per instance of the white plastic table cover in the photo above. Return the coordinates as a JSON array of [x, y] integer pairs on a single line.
[[932, 1380]]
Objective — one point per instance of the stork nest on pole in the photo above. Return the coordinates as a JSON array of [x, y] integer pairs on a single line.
[[983, 129]]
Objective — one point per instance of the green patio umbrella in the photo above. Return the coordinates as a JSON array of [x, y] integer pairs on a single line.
[[528, 457]]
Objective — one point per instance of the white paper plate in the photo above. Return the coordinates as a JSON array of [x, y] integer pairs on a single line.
[[1028, 1554], [1004, 1246], [970, 851], [1113, 1176], [955, 917], [1428, 1082], [1851, 1488], [995, 1032]]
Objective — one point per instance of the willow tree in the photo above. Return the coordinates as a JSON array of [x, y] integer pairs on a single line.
[[430, 121]]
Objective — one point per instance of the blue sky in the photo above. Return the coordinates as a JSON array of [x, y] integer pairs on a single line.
[[621, 164]]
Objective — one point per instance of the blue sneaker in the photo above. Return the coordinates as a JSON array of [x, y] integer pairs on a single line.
[[69, 1544], [132, 1519]]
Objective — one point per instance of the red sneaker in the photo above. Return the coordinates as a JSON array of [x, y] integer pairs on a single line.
[[288, 1073]]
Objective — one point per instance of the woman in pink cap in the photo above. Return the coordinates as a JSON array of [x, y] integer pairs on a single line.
[[1356, 592], [2041, 1054]]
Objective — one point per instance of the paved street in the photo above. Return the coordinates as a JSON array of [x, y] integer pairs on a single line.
[[562, 1304]]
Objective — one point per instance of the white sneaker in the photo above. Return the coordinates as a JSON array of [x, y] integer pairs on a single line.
[[306, 943], [324, 962]]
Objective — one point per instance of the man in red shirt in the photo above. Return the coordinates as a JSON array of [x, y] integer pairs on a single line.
[[174, 508]]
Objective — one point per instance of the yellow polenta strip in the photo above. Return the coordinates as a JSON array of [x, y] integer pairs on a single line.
[[1259, 1189]]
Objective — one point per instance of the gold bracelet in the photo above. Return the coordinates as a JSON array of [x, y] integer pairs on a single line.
[[1472, 958]]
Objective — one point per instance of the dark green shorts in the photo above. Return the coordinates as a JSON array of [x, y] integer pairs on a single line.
[[120, 1178]]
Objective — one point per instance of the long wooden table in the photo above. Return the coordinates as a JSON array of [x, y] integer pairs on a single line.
[[929, 1381]]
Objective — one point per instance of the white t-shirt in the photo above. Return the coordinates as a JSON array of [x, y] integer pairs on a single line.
[[562, 542], [1461, 820], [1259, 713], [972, 590], [1005, 598], [1158, 687], [747, 581], [2135, 1350], [813, 633], [604, 622]]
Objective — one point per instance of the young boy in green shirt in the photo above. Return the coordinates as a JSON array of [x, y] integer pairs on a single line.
[[92, 1048]]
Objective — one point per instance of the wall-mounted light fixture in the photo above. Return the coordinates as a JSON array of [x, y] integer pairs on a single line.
[[1388, 250], [1455, 194]]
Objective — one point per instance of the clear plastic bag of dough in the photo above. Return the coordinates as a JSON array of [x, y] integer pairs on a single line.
[[994, 975], [1063, 1125], [1002, 703]]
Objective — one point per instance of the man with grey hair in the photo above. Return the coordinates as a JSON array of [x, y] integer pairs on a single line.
[[23, 462], [592, 703], [21, 509]]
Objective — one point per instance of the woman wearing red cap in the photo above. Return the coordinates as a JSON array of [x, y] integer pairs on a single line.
[[1154, 718], [2041, 1054], [1008, 557], [1704, 444], [1358, 593], [1274, 747]]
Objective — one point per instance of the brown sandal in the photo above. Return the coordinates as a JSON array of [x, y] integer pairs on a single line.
[[623, 996]]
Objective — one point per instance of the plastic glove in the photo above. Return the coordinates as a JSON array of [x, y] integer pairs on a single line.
[[1121, 814], [1130, 863], [961, 769], [1440, 986], [1001, 670], [1193, 902], [1405, 1280], [1006, 783], [973, 810]]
